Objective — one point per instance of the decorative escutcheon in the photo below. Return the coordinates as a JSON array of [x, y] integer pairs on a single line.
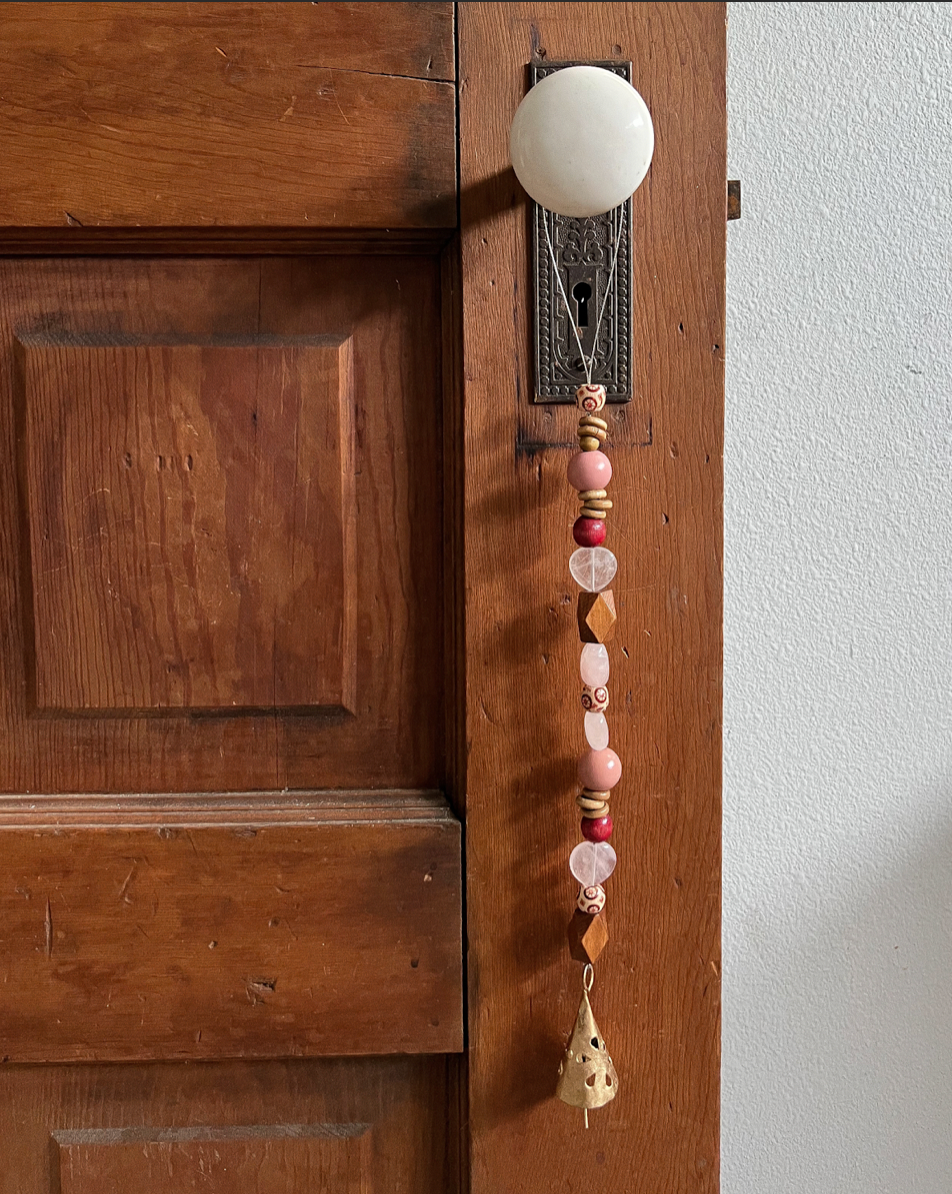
[[583, 255]]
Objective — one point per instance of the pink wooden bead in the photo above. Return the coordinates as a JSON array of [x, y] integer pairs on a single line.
[[597, 829], [589, 470], [599, 770]]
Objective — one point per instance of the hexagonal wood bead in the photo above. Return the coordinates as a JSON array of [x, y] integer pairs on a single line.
[[588, 935], [596, 616]]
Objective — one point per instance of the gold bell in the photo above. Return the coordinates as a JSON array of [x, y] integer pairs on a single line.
[[587, 1078]]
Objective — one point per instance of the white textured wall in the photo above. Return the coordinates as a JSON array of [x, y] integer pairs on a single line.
[[837, 1071]]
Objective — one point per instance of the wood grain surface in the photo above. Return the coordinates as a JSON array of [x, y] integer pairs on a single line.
[[334, 115], [656, 995], [256, 929], [249, 510], [191, 506]]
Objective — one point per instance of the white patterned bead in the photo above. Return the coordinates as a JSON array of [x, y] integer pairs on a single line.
[[590, 399], [591, 899], [594, 699]]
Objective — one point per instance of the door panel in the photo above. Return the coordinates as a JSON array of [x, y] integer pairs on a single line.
[[303, 115], [161, 460], [371, 1125], [223, 560], [220, 927]]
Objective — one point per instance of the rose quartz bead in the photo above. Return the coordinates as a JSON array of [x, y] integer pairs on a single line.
[[589, 470], [592, 862], [599, 770], [597, 829], [596, 730], [594, 665]]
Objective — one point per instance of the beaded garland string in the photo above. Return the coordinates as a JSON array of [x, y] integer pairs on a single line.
[[607, 129], [587, 1077]]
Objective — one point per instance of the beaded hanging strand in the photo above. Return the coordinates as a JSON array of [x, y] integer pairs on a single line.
[[587, 1078]]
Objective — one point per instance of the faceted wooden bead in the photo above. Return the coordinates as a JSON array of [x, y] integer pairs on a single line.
[[599, 769], [589, 470], [594, 700], [591, 899], [588, 936], [596, 616], [589, 532], [590, 398], [597, 829]]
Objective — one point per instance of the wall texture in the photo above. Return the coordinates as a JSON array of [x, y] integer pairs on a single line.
[[838, 683]]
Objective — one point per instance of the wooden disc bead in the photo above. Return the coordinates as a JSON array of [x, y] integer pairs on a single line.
[[591, 807], [595, 814], [593, 421], [586, 494], [598, 503], [592, 512], [596, 432], [588, 443]]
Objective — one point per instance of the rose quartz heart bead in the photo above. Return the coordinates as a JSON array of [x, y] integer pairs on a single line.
[[599, 770], [589, 470]]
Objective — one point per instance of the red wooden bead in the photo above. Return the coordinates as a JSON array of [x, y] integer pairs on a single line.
[[596, 830], [588, 532]]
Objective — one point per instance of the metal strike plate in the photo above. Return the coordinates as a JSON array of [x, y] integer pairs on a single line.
[[583, 257]]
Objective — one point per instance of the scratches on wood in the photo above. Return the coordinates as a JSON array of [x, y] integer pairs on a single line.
[[257, 989], [48, 929], [123, 890]]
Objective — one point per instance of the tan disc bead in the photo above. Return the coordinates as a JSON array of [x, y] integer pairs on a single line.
[[598, 503], [599, 433], [593, 421], [588, 805], [596, 814], [591, 512], [585, 495]]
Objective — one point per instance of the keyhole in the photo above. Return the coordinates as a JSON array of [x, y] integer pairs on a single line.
[[582, 292]]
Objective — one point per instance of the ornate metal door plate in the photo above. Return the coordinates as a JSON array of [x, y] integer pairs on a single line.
[[583, 255]]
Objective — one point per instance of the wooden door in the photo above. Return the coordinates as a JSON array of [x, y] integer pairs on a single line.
[[269, 632]]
